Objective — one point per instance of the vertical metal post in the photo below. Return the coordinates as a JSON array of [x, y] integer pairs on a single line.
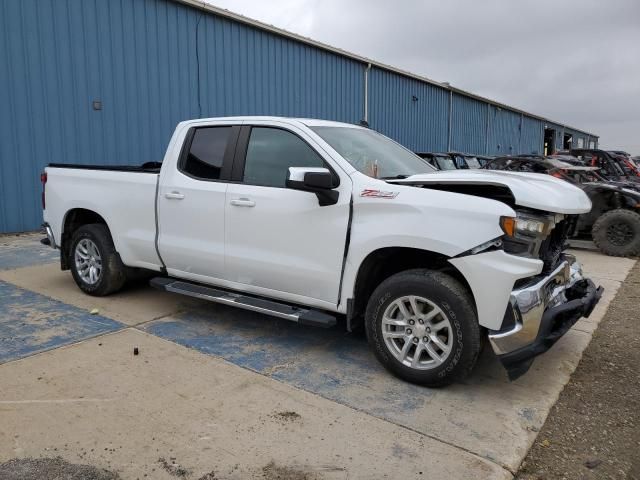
[[366, 93], [450, 120]]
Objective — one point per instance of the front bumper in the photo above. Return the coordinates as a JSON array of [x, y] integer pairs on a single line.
[[539, 314]]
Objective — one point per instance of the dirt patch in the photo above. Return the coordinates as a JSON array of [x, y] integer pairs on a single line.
[[271, 471], [52, 469], [287, 416], [173, 468], [593, 432]]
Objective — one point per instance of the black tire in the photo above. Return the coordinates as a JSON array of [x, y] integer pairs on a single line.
[[113, 274], [617, 233], [454, 301]]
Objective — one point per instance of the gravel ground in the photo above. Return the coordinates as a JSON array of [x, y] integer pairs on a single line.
[[51, 469], [593, 432]]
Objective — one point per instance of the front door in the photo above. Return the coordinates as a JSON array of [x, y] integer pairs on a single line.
[[191, 204], [280, 241]]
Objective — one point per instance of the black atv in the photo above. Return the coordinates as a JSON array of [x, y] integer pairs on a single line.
[[614, 220]]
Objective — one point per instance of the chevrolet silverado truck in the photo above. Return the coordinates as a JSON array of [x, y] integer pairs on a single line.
[[313, 221]]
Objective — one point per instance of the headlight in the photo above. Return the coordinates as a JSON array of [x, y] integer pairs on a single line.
[[527, 225]]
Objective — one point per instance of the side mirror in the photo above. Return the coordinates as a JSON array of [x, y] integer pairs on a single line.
[[314, 180]]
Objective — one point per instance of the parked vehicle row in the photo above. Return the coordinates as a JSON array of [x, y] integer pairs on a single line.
[[311, 221], [454, 160]]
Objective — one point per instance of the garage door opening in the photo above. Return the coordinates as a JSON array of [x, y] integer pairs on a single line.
[[549, 141]]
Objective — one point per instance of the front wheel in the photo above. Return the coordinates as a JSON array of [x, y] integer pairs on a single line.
[[617, 233], [423, 327]]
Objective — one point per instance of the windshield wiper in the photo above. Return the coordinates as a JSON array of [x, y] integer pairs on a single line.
[[395, 177]]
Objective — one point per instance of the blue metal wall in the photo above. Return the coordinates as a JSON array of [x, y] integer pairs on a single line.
[[468, 125], [153, 63], [414, 113], [138, 57], [532, 135]]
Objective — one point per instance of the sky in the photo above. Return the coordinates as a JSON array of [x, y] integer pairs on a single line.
[[576, 62]]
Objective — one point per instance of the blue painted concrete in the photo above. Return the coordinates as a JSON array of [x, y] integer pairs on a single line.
[[331, 363], [25, 251], [32, 323]]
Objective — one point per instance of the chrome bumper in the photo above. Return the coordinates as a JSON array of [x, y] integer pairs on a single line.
[[527, 306], [50, 240]]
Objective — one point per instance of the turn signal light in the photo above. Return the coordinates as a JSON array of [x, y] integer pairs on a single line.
[[508, 225]]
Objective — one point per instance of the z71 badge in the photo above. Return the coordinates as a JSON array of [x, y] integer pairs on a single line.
[[369, 192]]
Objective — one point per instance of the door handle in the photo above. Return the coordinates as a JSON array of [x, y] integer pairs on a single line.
[[243, 202], [174, 196]]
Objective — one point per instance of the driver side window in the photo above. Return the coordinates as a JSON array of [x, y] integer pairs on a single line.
[[270, 153]]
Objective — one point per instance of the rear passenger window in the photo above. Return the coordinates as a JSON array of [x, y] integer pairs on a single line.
[[270, 153], [206, 152]]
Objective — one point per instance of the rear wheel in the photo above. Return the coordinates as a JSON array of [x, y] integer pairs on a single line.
[[95, 265], [423, 328], [617, 233]]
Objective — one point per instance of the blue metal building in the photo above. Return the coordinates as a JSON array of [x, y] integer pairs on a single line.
[[105, 82]]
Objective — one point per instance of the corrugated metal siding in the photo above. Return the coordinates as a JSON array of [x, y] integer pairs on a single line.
[[138, 57], [420, 125], [504, 131], [468, 125], [532, 135]]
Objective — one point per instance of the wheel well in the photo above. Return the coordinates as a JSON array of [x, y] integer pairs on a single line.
[[381, 264], [74, 219]]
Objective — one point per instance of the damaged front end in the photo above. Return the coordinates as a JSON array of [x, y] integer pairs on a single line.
[[543, 291], [541, 312]]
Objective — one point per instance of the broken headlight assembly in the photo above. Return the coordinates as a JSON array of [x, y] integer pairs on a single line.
[[525, 234]]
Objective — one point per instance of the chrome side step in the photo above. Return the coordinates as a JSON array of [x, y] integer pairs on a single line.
[[300, 315]]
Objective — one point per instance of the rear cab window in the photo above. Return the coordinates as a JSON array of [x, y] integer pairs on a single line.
[[204, 154]]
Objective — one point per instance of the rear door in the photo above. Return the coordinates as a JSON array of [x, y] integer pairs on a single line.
[[281, 242], [191, 203]]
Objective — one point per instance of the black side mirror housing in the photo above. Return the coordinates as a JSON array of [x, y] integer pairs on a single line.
[[315, 180]]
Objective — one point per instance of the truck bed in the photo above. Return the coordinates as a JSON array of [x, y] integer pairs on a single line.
[[124, 196]]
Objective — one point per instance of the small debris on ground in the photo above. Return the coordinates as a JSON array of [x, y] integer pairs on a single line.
[[271, 471], [174, 468], [287, 416], [209, 476], [52, 469], [94, 311], [593, 463]]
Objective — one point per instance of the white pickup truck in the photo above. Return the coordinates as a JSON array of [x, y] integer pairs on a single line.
[[311, 220]]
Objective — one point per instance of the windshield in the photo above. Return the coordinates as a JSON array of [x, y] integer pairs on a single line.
[[473, 162], [446, 163], [372, 153]]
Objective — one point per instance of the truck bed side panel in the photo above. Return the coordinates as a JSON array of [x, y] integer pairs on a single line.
[[126, 201]]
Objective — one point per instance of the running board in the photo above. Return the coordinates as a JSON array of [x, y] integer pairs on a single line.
[[300, 315]]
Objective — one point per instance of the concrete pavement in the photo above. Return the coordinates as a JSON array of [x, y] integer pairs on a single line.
[[216, 356]]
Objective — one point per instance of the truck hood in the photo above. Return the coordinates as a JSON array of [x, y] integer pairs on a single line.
[[532, 190]]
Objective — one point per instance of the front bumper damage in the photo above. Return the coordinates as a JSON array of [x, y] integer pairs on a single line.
[[540, 313]]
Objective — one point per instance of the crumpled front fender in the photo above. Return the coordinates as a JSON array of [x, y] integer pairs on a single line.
[[491, 276]]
